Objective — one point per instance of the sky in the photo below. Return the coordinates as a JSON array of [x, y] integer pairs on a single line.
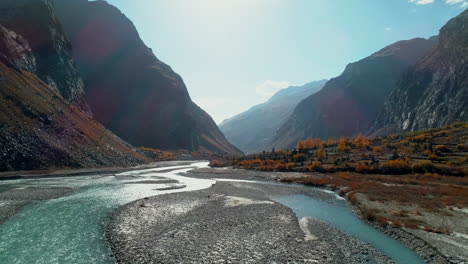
[[233, 54]]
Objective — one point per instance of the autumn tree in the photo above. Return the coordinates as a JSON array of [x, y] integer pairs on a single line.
[[320, 153], [341, 147], [377, 150], [361, 142]]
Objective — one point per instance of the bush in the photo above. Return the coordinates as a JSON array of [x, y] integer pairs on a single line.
[[377, 150], [290, 166], [316, 166], [364, 168], [280, 166], [218, 164], [441, 148], [434, 157], [423, 167], [299, 157], [395, 167]]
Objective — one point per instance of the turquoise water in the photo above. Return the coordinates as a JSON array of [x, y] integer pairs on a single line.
[[340, 216], [69, 229]]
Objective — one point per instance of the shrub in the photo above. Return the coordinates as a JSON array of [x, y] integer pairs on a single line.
[[423, 167], [280, 166], [434, 157], [218, 164], [364, 168], [395, 167], [299, 157], [167, 156], [316, 166], [377, 150], [382, 221], [290, 166], [441, 148]]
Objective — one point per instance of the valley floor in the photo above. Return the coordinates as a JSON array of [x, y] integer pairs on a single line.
[[231, 222], [236, 220]]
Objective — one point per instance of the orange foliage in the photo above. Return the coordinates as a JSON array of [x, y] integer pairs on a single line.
[[309, 143], [395, 167], [341, 145], [361, 141]]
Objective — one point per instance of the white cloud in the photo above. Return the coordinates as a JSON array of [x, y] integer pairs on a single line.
[[462, 3], [269, 88], [422, 2], [388, 29], [452, 2]]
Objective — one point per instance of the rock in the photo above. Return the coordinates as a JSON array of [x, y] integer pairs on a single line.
[[129, 90], [349, 103], [434, 92]]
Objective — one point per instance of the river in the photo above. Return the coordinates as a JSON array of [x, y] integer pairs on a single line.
[[70, 229]]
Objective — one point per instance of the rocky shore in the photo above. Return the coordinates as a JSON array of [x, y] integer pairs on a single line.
[[231, 222]]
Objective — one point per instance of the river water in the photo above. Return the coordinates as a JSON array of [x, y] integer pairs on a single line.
[[69, 229]]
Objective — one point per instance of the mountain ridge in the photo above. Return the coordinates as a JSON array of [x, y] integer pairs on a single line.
[[253, 130], [349, 103], [129, 90], [434, 92]]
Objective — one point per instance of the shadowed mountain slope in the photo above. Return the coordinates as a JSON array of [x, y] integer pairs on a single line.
[[39, 129], [435, 91], [253, 130], [35, 22], [350, 103], [129, 90]]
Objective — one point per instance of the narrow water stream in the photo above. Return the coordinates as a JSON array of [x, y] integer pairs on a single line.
[[69, 229], [340, 216]]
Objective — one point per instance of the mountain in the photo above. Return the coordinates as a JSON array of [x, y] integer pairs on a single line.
[[253, 130], [129, 90], [39, 129], [350, 103], [35, 21], [42, 124], [434, 92]]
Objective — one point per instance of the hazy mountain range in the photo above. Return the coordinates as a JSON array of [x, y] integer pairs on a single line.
[[254, 129], [408, 85]]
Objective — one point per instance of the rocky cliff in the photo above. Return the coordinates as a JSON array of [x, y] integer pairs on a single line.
[[435, 91], [42, 124], [39, 129], [34, 23], [350, 103], [253, 130], [129, 90]]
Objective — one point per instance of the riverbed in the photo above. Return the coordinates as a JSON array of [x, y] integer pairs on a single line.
[[169, 214]]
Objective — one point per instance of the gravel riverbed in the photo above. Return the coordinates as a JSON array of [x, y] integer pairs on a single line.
[[231, 222]]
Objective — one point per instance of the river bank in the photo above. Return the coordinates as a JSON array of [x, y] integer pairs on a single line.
[[233, 216], [230, 183], [231, 222]]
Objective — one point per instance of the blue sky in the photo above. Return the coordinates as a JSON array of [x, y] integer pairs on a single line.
[[233, 54]]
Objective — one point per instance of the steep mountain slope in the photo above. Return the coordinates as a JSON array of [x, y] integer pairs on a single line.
[[39, 129], [435, 91], [129, 90], [41, 124], [36, 23], [350, 103], [253, 130]]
